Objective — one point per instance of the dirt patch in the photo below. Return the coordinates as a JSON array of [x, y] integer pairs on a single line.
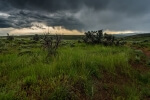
[[142, 68], [142, 65], [146, 52], [110, 86]]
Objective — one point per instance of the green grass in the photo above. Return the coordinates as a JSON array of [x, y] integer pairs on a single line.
[[71, 74]]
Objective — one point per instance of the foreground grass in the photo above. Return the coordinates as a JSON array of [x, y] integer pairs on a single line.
[[80, 72]]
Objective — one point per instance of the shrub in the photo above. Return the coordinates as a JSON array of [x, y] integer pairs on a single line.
[[1, 44], [137, 58], [51, 44], [61, 93], [144, 78], [10, 38], [131, 93], [30, 80], [72, 45], [93, 37], [79, 41], [146, 92], [97, 37], [145, 41], [36, 37], [148, 63]]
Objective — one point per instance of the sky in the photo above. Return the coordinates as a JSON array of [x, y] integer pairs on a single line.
[[19, 17]]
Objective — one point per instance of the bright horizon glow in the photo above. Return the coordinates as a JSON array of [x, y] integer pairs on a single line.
[[120, 32], [53, 30], [40, 28]]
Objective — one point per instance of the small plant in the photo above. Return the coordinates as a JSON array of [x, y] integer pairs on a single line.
[[10, 38], [30, 80], [36, 37], [1, 44], [144, 78], [137, 58], [79, 41], [148, 63], [131, 93], [72, 44], [51, 44], [62, 93], [145, 41], [146, 92]]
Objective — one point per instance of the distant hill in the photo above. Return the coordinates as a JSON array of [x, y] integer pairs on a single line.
[[142, 35], [138, 37], [132, 34], [78, 37], [65, 37], [125, 34]]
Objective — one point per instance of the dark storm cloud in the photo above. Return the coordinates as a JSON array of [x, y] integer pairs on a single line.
[[57, 5], [77, 14], [4, 23], [128, 6], [4, 6], [24, 19]]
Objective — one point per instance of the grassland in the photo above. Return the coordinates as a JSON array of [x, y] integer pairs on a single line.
[[78, 71]]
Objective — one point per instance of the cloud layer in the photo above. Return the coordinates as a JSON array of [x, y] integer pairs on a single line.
[[85, 15]]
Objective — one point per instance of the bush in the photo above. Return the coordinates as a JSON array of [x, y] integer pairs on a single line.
[[137, 58], [146, 92], [148, 63], [62, 93], [72, 44], [30, 80], [97, 37], [36, 37], [145, 41], [1, 44], [51, 44], [93, 37], [144, 78], [10, 38]]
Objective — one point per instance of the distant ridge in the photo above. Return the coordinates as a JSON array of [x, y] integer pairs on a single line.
[[141, 35], [132, 34]]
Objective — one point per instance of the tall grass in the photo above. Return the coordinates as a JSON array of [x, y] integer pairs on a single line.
[[67, 76]]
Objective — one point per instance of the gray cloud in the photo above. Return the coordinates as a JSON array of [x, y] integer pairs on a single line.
[[5, 23], [56, 5], [24, 19], [78, 14], [126, 6]]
